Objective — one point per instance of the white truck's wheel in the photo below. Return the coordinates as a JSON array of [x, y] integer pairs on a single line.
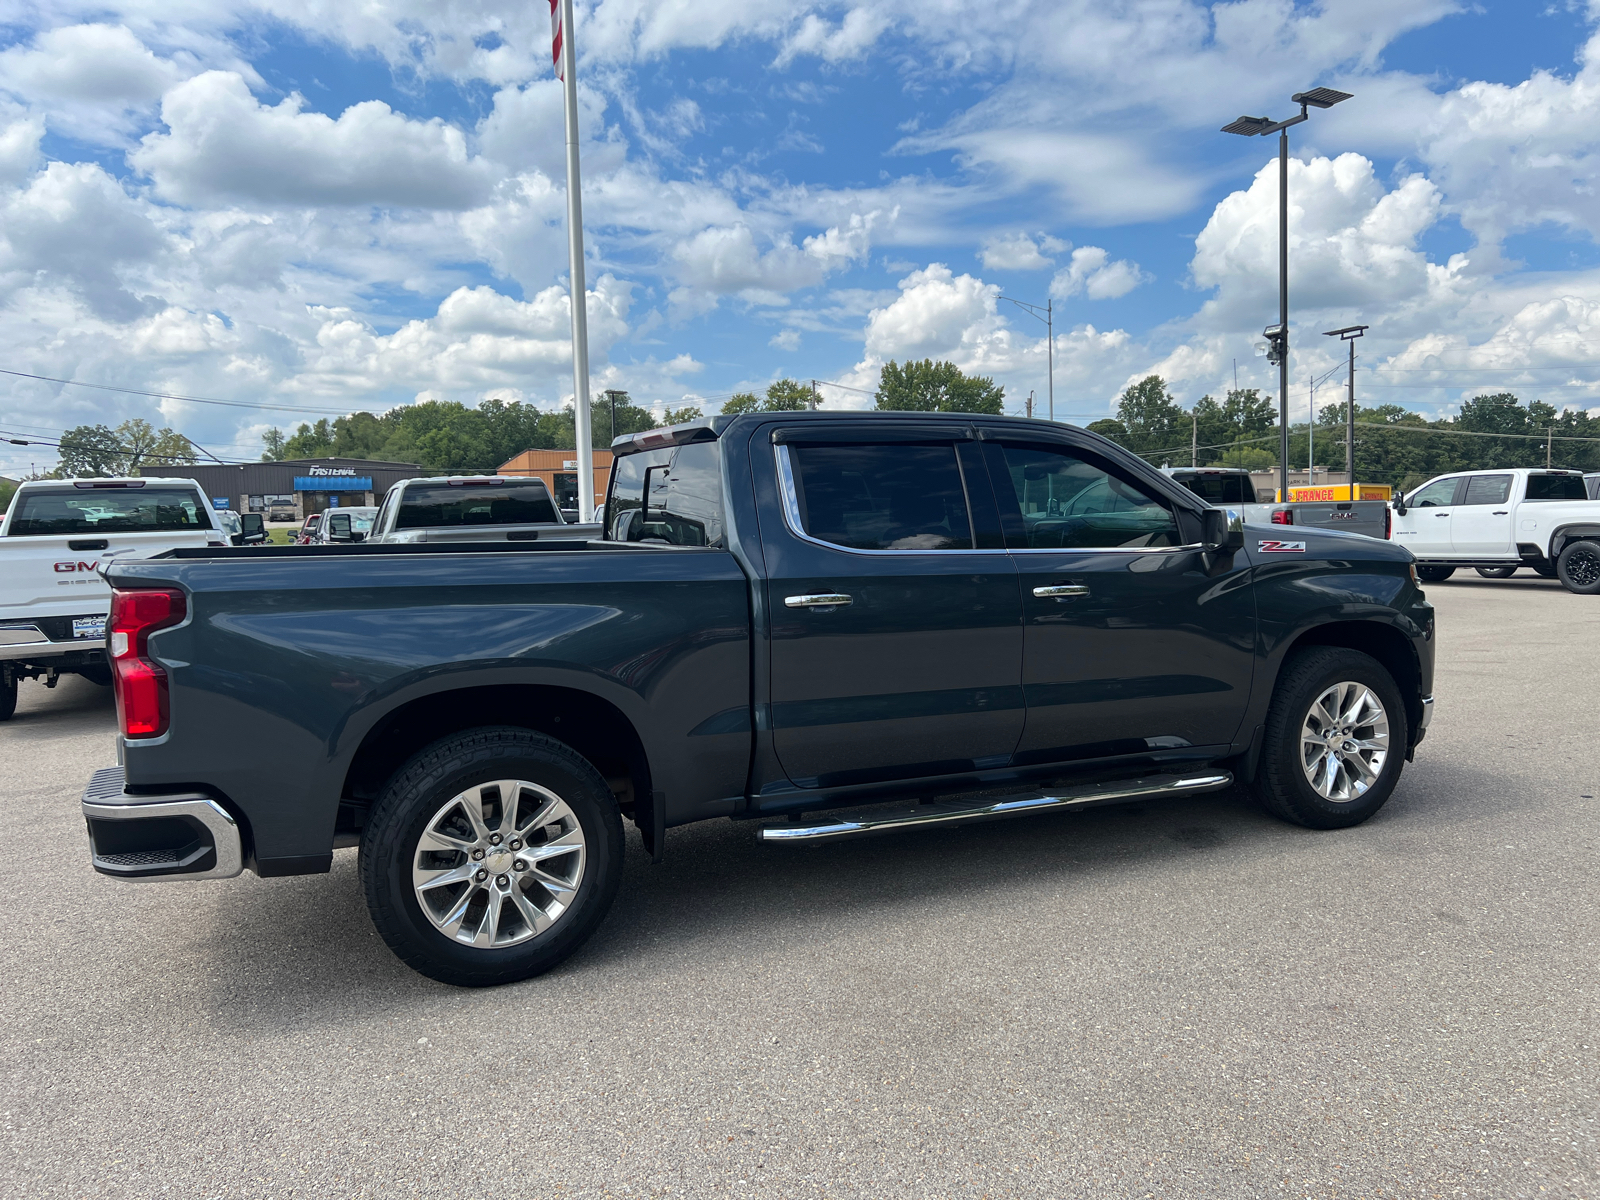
[[1579, 567]]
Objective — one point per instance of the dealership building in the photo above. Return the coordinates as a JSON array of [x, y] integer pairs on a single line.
[[310, 485]]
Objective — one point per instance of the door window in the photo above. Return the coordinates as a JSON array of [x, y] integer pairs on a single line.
[[1068, 501], [1488, 489], [1441, 493], [879, 497], [671, 496]]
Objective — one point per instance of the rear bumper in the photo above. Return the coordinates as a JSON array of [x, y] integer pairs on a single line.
[[158, 838]]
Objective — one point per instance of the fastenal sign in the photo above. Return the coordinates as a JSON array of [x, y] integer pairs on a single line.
[[330, 470]]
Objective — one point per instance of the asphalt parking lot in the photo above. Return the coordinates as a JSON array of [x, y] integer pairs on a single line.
[[1169, 1000]]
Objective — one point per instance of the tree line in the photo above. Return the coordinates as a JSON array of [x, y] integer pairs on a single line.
[[1393, 445]]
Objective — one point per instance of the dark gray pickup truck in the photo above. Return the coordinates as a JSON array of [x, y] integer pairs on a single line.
[[857, 622]]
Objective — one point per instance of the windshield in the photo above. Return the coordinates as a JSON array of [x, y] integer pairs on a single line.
[[1556, 487], [515, 502], [69, 510]]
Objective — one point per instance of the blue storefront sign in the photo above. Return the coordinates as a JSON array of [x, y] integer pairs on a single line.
[[333, 483], [219, 502]]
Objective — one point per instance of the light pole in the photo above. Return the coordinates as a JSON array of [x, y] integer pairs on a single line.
[[1349, 334], [1278, 335], [1049, 320]]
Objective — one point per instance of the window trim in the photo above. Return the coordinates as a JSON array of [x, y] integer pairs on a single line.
[[790, 502]]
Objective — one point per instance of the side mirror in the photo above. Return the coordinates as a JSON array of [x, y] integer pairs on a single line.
[[339, 527], [358, 536], [1221, 532], [1400, 505]]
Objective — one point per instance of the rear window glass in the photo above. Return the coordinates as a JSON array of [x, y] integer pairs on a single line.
[[1221, 489], [108, 510], [671, 496], [1556, 487], [890, 497], [445, 505]]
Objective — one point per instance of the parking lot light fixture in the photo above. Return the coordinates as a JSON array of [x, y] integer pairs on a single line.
[[1349, 334], [1321, 97]]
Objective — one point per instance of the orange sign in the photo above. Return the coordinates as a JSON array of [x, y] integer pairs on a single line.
[[1337, 493]]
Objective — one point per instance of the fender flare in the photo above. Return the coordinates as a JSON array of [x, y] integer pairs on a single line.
[[1570, 533]]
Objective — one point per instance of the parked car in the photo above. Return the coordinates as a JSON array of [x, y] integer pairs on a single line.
[[902, 620], [1232, 489], [280, 510], [1500, 520], [475, 508], [308, 531], [54, 539], [345, 525]]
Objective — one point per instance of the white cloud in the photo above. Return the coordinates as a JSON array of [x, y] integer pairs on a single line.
[[1094, 273], [729, 260], [19, 149], [223, 145], [785, 339], [1020, 252], [94, 80], [852, 38]]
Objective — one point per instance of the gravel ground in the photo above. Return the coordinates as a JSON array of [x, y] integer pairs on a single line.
[[1168, 1000]]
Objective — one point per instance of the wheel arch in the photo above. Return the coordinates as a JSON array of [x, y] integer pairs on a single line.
[[1378, 640], [590, 724], [1566, 534]]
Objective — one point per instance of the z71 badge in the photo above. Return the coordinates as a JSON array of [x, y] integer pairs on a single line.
[[1282, 547]]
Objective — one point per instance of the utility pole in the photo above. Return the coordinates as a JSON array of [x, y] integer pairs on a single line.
[[1049, 319], [811, 404], [1030, 406], [1349, 334], [1194, 439], [1549, 436], [567, 70], [1311, 439]]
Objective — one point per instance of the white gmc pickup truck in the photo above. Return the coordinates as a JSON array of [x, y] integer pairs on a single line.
[[1498, 521], [54, 539]]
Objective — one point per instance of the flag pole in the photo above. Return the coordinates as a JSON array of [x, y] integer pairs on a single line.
[[567, 69]]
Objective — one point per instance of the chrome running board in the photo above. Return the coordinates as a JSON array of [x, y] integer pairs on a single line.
[[887, 819]]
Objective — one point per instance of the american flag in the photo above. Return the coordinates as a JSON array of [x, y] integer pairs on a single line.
[[555, 36]]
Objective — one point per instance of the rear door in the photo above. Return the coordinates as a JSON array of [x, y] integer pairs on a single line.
[[1424, 529], [1134, 639], [896, 646], [1481, 524]]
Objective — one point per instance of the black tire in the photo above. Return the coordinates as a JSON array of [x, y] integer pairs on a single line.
[[1545, 571], [1579, 567], [1497, 572], [1435, 574], [8, 697], [411, 803], [1281, 782], [100, 674]]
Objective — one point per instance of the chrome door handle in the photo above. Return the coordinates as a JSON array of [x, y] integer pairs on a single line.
[[1060, 591], [818, 600]]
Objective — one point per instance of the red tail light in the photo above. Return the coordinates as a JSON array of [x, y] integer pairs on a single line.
[[1388, 523], [1282, 516], [141, 684]]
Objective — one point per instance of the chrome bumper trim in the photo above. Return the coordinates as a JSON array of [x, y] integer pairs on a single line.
[[23, 635], [99, 804], [1427, 717], [923, 816]]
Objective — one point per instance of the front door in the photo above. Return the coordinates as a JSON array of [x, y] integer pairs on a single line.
[[1482, 521], [1133, 640], [896, 646], [1424, 528]]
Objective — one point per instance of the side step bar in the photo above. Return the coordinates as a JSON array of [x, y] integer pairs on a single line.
[[887, 819]]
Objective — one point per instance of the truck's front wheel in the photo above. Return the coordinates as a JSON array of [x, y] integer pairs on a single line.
[[1335, 739], [491, 856], [1579, 567], [1435, 574]]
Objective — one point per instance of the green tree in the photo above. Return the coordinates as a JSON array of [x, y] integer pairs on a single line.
[[681, 416], [8, 489], [1248, 458], [89, 452], [1108, 428], [1153, 419], [630, 419], [145, 446], [740, 403], [929, 386], [310, 441], [272, 446], [788, 395]]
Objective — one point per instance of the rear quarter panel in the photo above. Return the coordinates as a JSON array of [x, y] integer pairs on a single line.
[[284, 665]]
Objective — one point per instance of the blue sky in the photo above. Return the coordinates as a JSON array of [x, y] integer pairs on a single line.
[[326, 209]]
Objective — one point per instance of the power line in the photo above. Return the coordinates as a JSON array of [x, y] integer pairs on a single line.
[[102, 387]]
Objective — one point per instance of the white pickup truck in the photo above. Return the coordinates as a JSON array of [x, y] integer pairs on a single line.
[[1497, 521], [54, 539], [474, 508]]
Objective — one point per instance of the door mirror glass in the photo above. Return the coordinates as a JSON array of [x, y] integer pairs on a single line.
[[339, 527]]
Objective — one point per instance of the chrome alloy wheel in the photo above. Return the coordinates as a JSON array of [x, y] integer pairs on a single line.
[[1344, 742], [499, 863]]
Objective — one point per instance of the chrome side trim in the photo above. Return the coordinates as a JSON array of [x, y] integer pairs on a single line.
[[923, 816], [23, 635], [791, 518], [1427, 718], [223, 828]]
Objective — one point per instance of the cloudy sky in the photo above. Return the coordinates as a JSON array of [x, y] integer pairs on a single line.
[[323, 207]]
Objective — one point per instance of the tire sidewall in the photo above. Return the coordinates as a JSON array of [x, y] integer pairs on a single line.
[[412, 799], [1291, 792], [1584, 546]]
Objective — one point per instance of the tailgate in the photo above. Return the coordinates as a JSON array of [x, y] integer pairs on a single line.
[[55, 575], [1367, 517]]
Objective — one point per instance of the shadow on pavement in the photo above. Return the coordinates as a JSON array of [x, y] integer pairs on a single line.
[[74, 705]]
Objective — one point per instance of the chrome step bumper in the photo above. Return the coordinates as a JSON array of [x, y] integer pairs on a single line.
[[157, 838], [891, 818]]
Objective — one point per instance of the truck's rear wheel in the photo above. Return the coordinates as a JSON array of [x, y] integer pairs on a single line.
[[1335, 739], [1497, 572], [8, 695], [1435, 574], [491, 856], [1579, 567]]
